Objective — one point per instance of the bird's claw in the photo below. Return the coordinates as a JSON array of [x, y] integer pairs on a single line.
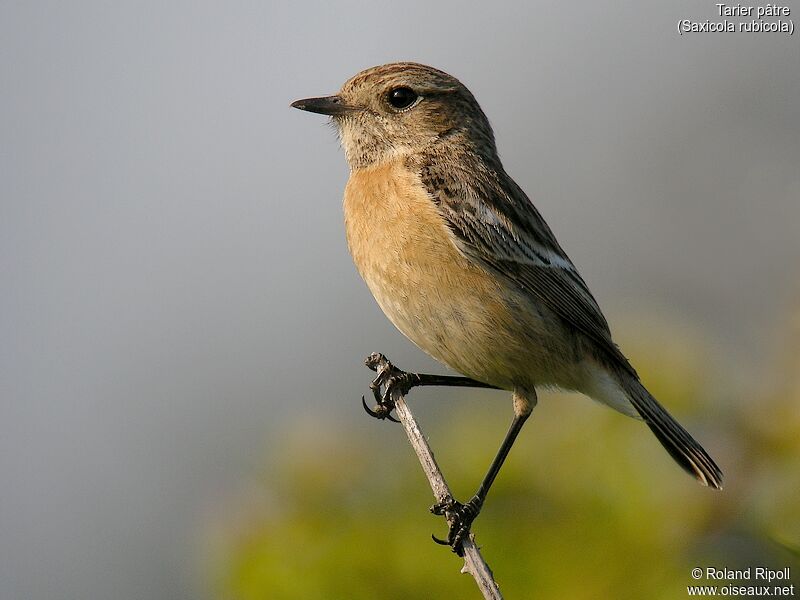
[[381, 411], [460, 516], [390, 378]]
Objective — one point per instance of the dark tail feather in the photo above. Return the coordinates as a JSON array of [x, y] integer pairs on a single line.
[[682, 447]]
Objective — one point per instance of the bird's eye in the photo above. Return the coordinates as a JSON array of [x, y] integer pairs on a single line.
[[402, 97]]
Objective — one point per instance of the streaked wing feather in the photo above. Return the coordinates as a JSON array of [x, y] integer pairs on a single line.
[[496, 225]]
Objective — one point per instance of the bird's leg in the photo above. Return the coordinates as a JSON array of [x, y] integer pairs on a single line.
[[391, 378], [460, 516]]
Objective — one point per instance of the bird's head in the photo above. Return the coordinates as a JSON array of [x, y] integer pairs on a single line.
[[400, 109]]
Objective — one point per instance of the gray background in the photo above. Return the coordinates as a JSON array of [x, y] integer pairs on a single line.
[[175, 282]]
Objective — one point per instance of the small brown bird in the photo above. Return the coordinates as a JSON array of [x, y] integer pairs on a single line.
[[464, 265]]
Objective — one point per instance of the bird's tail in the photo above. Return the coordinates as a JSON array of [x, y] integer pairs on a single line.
[[682, 447]]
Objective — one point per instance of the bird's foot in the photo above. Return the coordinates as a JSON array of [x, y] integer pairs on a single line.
[[460, 516], [388, 380]]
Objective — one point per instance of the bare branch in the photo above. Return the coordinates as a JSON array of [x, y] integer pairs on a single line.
[[474, 564]]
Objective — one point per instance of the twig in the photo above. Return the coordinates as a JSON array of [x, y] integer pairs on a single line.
[[474, 564]]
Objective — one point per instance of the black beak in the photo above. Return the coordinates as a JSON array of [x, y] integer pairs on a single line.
[[327, 105]]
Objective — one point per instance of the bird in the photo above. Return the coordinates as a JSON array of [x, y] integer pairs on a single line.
[[463, 264]]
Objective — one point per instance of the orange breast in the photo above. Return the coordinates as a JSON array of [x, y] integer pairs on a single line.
[[445, 304]]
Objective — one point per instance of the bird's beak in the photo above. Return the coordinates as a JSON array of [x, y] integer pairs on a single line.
[[327, 105]]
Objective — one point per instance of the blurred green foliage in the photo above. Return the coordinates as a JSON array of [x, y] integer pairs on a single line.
[[587, 506]]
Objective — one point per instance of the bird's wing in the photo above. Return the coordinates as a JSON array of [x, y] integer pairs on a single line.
[[496, 225]]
